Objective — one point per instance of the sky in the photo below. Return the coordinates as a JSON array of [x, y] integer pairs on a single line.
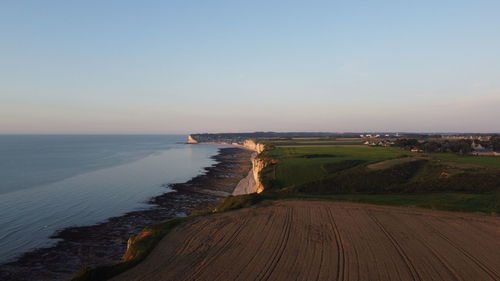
[[187, 66]]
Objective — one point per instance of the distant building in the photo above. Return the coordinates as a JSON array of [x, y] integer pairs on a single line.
[[478, 147], [479, 150]]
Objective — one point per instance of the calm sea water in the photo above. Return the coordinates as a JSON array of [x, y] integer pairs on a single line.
[[48, 183]]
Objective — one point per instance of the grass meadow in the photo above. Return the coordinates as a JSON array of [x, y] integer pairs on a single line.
[[383, 175]]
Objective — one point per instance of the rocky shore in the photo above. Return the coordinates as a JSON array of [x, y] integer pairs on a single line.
[[105, 243]]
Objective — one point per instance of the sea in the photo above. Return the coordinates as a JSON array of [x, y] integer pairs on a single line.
[[51, 182]]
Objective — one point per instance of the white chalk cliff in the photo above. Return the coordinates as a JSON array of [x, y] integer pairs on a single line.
[[253, 145], [191, 140], [252, 183]]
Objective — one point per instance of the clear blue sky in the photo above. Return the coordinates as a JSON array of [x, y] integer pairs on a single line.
[[210, 66]]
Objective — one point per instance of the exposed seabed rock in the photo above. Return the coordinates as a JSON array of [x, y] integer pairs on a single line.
[[105, 242]]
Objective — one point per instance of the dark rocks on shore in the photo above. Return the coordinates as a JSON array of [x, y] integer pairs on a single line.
[[106, 242]]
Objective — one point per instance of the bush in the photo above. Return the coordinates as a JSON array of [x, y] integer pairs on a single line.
[[237, 202], [141, 245]]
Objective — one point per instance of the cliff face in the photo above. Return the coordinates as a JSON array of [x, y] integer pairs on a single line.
[[253, 145], [191, 140], [257, 164], [251, 183]]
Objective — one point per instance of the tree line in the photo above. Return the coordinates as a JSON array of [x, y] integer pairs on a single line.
[[461, 146]]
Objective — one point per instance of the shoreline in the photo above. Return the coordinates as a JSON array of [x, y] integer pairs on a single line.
[[247, 184], [251, 182], [105, 242]]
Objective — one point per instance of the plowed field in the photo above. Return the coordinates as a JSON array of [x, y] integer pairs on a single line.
[[320, 240]]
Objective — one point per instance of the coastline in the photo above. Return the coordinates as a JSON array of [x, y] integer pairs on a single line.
[[247, 184], [105, 242], [251, 182]]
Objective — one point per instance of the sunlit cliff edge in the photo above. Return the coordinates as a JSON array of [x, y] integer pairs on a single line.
[[191, 140], [251, 183]]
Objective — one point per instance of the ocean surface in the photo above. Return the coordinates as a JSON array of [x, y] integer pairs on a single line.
[[50, 182]]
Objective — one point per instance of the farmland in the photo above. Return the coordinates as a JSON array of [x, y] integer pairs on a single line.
[[343, 212], [485, 161], [385, 174], [325, 240], [299, 164]]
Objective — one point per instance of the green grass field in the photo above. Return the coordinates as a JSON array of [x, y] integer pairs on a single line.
[[293, 168], [439, 181], [486, 161]]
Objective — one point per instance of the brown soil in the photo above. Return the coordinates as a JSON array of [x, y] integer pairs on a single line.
[[320, 240]]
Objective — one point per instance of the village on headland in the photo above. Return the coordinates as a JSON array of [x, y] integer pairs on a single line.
[[475, 144]]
